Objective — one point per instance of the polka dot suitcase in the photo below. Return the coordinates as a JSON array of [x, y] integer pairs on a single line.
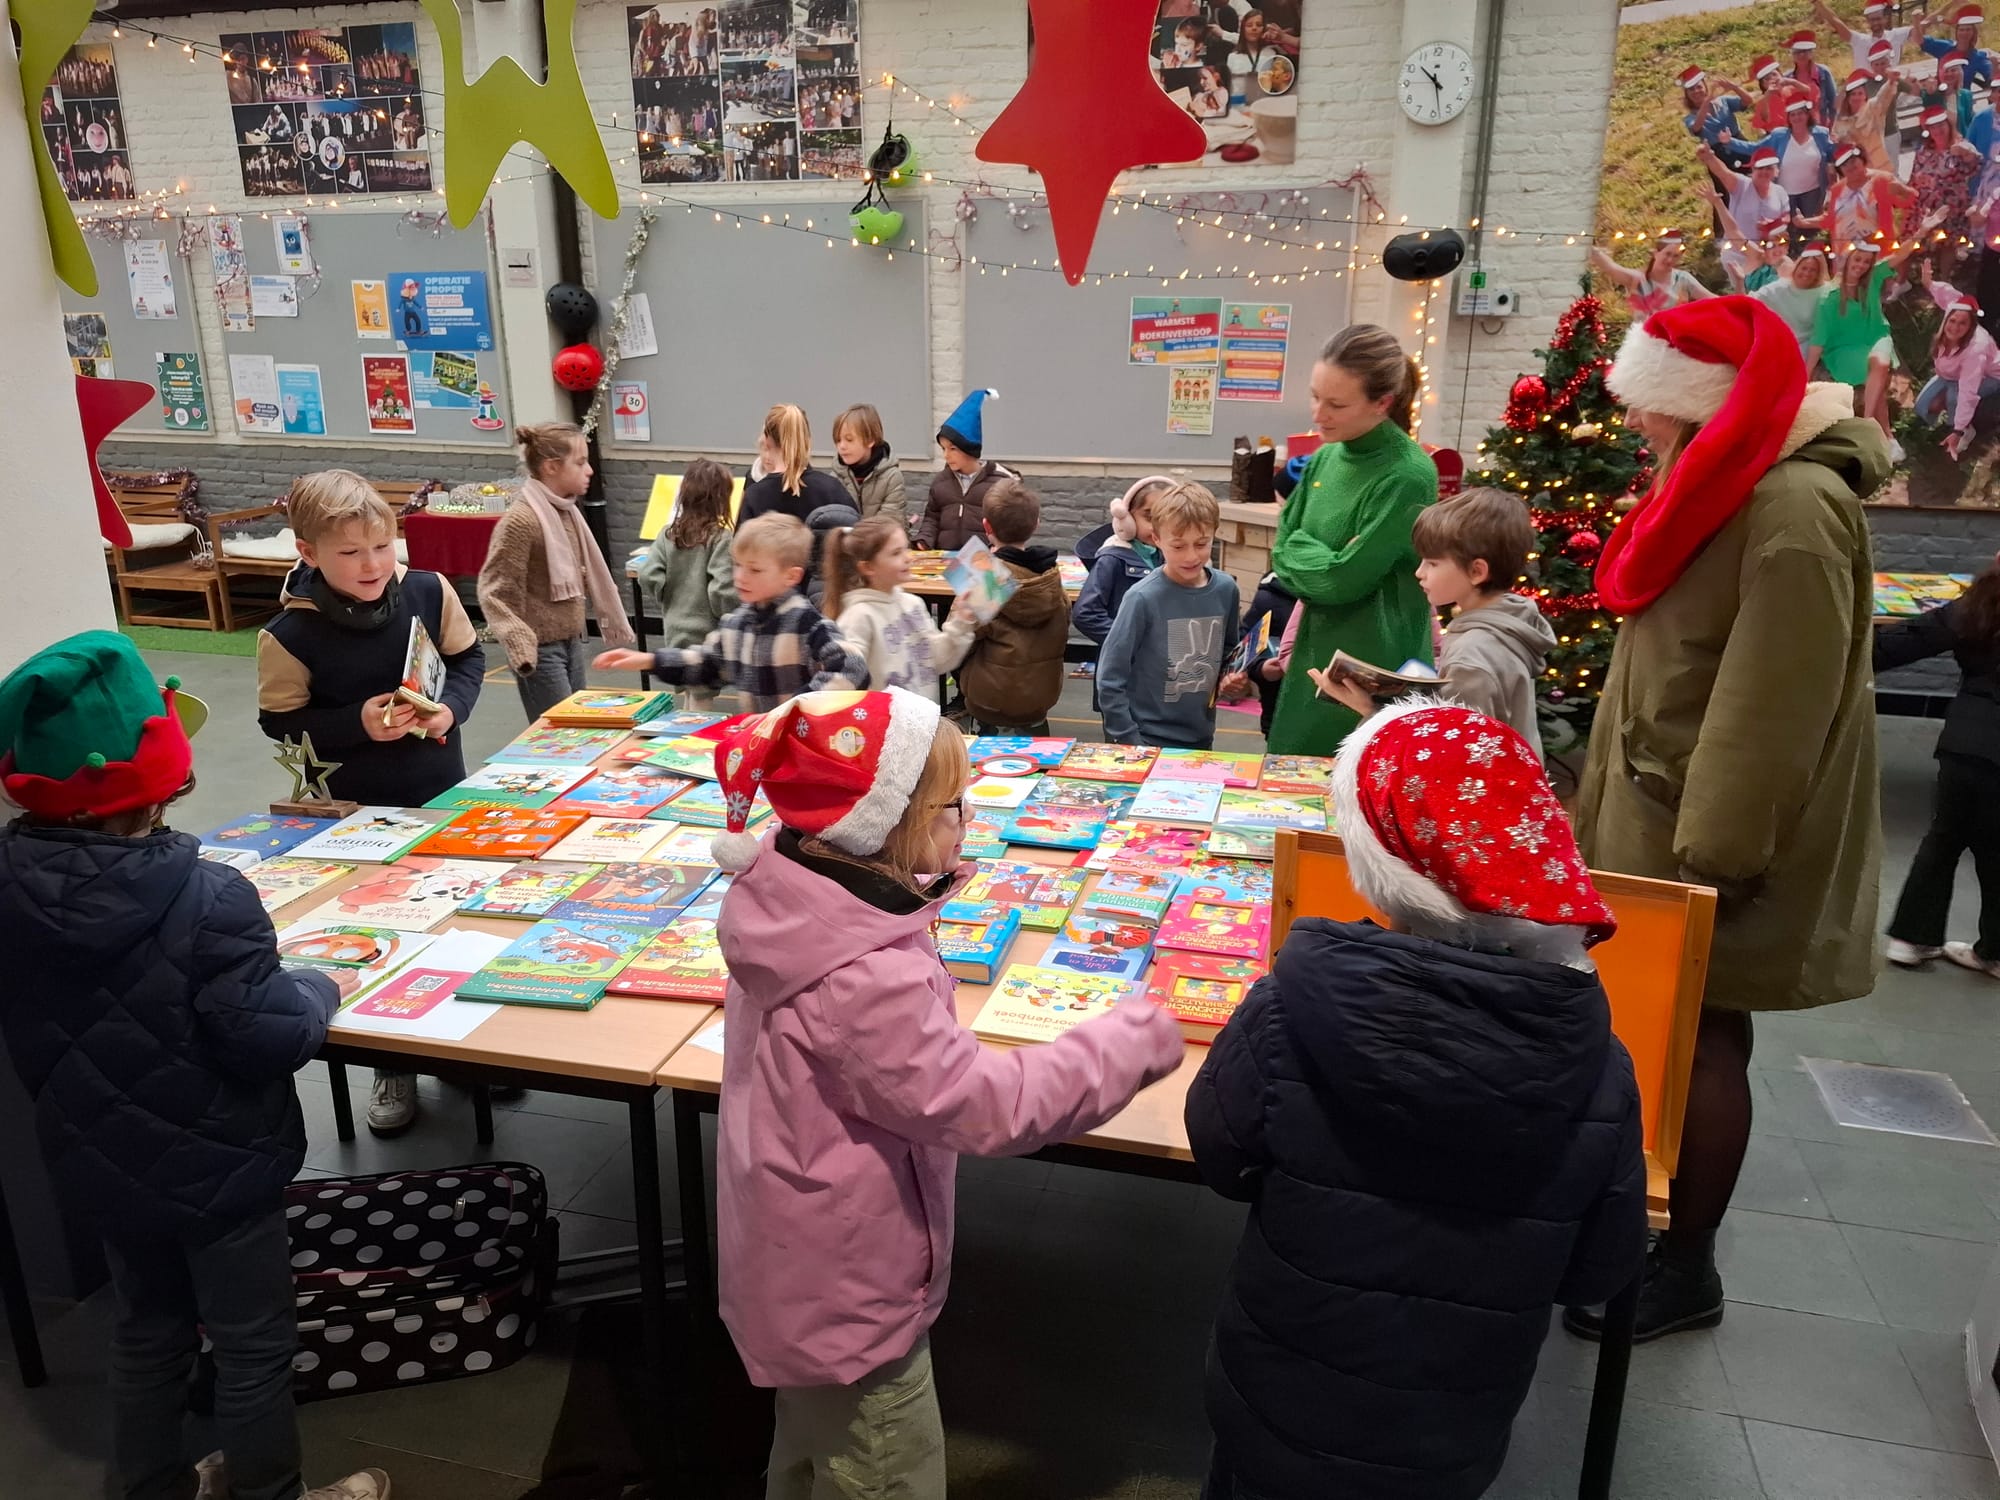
[[410, 1277]]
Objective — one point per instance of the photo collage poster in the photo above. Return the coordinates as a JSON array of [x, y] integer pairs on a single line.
[[328, 111], [84, 125], [747, 90]]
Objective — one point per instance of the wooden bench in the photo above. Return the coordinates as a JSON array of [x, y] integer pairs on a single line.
[[400, 493], [162, 564]]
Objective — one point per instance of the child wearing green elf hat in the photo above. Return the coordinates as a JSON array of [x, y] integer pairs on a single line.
[[152, 1027]]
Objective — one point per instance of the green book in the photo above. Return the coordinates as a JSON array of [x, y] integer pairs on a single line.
[[562, 964]]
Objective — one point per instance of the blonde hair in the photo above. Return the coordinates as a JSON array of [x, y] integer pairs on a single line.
[[1374, 358], [1481, 525], [782, 539], [941, 784], [320, 504], [849, 546], [863, 421], [546, 443], [1184, 507], [791, 434]]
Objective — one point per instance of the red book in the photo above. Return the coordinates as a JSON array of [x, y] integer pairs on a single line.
[[1201, 991]]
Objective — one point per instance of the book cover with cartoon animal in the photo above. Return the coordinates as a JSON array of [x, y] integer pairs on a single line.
[[1201, 990], [682, 962], [1272, 810], [1145, 846], [1297, 775], [266, 834], [282, 881], [1163, 801], [683, 757], [627, 791], [1053, 827], [554, 745], [973, 937], [1234, 882], [1199, 926], [1095, 761], [372, 836], [1106, 799], [412, 895], [501, 833], [609, 708], [1036, 1004], [529, 891], [1046, 752], [352, 956], [565, 964], [1133, 895], [612, 840], [1224, 767], [500, 784], [1044, 893], [644, 894]]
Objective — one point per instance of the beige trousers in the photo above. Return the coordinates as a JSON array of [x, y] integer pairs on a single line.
[[880, 1438]]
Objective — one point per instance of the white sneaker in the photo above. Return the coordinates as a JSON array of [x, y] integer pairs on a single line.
[[392, 1103], [1962, 955], [214, 1478], [1911, 955], [369, 1484], [1896, 453]]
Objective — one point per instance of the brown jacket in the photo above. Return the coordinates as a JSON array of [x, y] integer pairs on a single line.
[[514, 591], [1015, 672], [954, 516]]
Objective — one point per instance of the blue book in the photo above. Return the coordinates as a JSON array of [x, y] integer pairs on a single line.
[[973, 938], [1090, 958], [264, 834]]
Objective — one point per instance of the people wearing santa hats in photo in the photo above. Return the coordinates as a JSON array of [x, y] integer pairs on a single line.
[[1874, 28], [1755, 200], [848, 1083], [1805, 158], [1850, 337], [1774, 92], [1942, 170], [1965, 363], [1952, 91], [1866, 109], [1809, 72], [1435, 1126], [1966, 21], [1712, 107], [1796, 294], [1661, 285], [1734, 744], [1865, 205]]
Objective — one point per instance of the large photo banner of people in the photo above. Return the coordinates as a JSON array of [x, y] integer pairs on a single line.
[[84, 126], [747, 90], [329, 111], [1839, 160]]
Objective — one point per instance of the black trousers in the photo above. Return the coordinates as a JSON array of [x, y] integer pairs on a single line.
[[1965, 815], [1279, 606]]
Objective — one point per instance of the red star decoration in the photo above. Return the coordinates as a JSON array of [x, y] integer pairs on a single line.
[[1089, 109], [104, 405]]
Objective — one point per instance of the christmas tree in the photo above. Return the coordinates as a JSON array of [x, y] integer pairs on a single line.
[[1565, 451]]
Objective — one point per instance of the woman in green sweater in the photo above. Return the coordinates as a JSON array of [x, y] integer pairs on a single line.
[[1344, 546]]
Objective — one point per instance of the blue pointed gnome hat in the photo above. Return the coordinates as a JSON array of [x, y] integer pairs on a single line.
[[962, 429]]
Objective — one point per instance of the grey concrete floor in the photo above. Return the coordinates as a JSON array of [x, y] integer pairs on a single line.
[[1070, 1358]]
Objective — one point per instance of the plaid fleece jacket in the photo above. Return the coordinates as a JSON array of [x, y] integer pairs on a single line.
[[769, 653]]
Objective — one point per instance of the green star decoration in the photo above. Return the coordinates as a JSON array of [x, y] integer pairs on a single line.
[[49, 28], [308, 772]]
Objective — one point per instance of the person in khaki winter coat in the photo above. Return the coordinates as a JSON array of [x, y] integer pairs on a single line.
[[1734, 745], [1015, 672], [868, 471]]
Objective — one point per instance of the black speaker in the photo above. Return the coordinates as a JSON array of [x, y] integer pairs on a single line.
[[572, 309], [1423, 256]]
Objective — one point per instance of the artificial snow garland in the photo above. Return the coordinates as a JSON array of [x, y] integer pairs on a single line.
[[642, 231]]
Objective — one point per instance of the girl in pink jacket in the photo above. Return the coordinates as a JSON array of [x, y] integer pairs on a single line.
[[1965, 362], [849, 1087]]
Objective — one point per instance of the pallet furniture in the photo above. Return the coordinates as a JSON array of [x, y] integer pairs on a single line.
[[166, 553], [275, 556]]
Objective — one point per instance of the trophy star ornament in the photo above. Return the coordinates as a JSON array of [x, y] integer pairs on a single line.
[[308, 772]]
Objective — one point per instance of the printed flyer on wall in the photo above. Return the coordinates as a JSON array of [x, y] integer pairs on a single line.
[[183, 398], [441, 310], [302, 400], [232, 276], [1174, 330], [631, 421], [371, 309], [385, 385], [150, 278], [445, 381], [295, 251], [638, 339], [89, 343], [254, 380], [1255, 339], [1191, 403], [274, 296]]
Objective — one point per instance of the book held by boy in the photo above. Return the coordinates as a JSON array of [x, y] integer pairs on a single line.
[[528, 892], [372, 836], [282, 881], [351, 955], [641, 894], [1044, 893], [1199, 926], [412, 895], [973, 938], [1271, 810], [612, 840], [682, 962], [501, 833], [1201, 990], [977, 576], [1163, 801], [609, 708], [628, 791], [1095, 761], [554, 745], [499, 784], [420, 998], [422, 686], [1412, 676], [564, 964], [263, 834], [1036, 1004]]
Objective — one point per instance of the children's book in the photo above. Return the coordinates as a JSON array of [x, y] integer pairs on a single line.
[[372, 836], [680, 722], [629, 791], [1234, 882], [682, 962], [557, 963], [353, 956], [500, 784], [928, 565], [282, 881], [1125, 944], [1297, 775], [1053, 827], [1271, 810], [412, 895], [707, 902], [501, 833], [1107, 799], [1210, 927], [1046, 753], [529, 891], [553, 745], [1162, 801], [417, 1000], [1044, 893], [237, 859], [1200, 990], [1131, 895], [1224, 767], [609, 708], [422, 686], [973, 937], [1899, 595], [1074, 571], [612, 840], [683, 757], [703, 806], [977, 576], [1412, 676], [1256, 647], [1145, 846], [1242, 843], [985, 837], [641, 894], [1093, 761], [1005, 792], [685, 846], [1087, 958], [1035, 1004], [263, 834]]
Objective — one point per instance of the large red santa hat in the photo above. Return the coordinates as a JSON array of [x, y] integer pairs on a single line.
[[1731, 365]]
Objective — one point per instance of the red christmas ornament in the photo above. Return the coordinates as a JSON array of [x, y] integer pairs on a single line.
[[1530, 391], [1584, 543], [579, 367]]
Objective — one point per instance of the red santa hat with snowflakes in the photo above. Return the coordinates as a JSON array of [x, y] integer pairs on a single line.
[[1451, 829]]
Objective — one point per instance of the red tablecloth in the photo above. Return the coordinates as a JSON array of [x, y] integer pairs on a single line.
[[452, 545]]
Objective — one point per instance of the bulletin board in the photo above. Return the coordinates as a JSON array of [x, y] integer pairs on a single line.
[[750, 317], [347, 245], [1043, 343]]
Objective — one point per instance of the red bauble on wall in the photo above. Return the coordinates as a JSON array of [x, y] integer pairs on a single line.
[[579, 367]]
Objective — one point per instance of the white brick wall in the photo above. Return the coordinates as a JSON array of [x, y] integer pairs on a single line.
[[1553, 79]]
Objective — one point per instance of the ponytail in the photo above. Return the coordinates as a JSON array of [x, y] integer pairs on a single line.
[[1374, 358], [1403, 410], [791, 435], [835, 565]]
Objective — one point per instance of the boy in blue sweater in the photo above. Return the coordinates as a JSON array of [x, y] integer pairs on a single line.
[[1157, 673], [151, 1024]]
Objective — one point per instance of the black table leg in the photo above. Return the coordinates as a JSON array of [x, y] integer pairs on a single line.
[[1607, 1395], [651, 1234], [639, 629], [698, 1270], [20, 1311], [482, 1114], [343, 1107]]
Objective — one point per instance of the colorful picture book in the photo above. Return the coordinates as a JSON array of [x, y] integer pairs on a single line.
[[1092, 761], [1035, 1004], [500, 784], [237, 859], [1089, 958], [353, 956], [1227, 767], [263, 834], [628, 791], [1163, 801], [372, 836], [1106, 799], [422, 686], [1200, 990], [1145, 846], [1211, 927], [1256, 647], [502, 833], [681, 721], [1044, 752], [529, 891], [1298, 775], [565, 964], [1900, 595], [703, 806], [1120, 942], [1132, 895], [1044, 893], [985, 837], [683, 757], [1234, 882], [644, 894], [1242, 843], [1053, 827], [978, 577], [707, 902], [553, 745], [418, 999], [412, 895], [973, 938], [282, 881], [612, 840], [1271, 810], [682, 962], [686, 846], [609, 708], [1412, 677], [1004, 792]]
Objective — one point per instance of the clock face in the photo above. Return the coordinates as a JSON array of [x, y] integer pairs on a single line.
[[1436, 83]]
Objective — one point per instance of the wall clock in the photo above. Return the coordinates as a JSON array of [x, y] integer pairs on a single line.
[[1436, 83]]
